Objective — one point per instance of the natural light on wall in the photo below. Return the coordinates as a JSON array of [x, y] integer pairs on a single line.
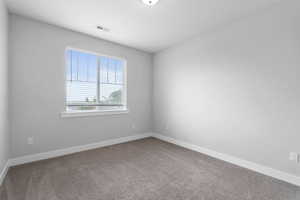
[[94, 82]]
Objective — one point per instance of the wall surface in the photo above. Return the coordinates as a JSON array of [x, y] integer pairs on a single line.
[[235, 90], [4, 136], [38, 90]]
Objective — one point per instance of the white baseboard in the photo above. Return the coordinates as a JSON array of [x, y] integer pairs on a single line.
[[75, 149], [4, 172], [231, 159], [295, 180]]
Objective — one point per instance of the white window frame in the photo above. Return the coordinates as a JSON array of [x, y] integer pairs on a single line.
[[84, 113]]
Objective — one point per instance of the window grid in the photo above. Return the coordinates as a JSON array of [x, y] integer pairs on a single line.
[[109, 63]]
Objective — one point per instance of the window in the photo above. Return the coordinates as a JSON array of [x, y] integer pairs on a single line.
[[94, 82]]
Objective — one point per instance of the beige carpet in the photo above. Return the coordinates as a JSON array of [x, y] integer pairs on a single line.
[[147, 169]]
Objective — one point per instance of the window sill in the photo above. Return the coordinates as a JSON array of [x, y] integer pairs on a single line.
[[68, 114]]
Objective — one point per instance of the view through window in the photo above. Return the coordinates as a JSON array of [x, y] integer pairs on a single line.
[[94, 82]]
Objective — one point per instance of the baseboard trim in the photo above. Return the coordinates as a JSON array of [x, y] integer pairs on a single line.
[[295, 180], [4, 172], [75, 149]]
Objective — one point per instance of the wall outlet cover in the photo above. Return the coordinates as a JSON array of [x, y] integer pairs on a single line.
[[30, 140], [293, 156], [133, 126]]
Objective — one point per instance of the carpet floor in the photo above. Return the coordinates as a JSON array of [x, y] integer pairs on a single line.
[[147, 169]]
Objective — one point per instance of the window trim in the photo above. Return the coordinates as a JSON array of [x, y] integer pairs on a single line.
[[71, 114], [123, 110]]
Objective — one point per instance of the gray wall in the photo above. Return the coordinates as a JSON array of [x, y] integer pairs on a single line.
[[37, 89], [4, 137], [235, 90]]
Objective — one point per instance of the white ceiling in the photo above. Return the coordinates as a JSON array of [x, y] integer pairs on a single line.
[[134, 24]]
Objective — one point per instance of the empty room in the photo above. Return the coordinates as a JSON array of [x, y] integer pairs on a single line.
[[149, 100]]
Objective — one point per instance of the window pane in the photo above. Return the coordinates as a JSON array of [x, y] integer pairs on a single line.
[[74, 65], [103, 69], [82, 67], [68, 63], [111, 94], [92, 68], [81, 92], [81, 87], [119, 72], [112, 71]]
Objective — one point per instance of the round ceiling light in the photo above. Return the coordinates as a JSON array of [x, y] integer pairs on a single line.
[[150, 2]]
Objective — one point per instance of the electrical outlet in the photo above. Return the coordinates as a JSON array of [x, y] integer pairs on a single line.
[[133, 126], [30, 141], [167, 126], [294, 157]]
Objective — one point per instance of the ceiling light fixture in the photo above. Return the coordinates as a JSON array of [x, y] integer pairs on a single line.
[[150, 2]]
